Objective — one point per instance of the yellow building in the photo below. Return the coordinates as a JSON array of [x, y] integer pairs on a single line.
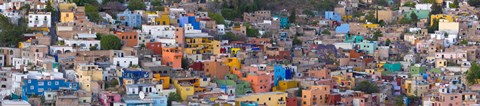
[[234, 51], [233, 63], [185, 86], [164, 79], [370, 25], [268, 98], [414, 88], [201, 43], [441, 16], [163, 20], [283, 85], [66, 12], [90, 70], [440, 63], [66, 16], [85, 82]]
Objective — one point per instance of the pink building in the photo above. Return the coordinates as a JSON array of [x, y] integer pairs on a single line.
[[108, 98]]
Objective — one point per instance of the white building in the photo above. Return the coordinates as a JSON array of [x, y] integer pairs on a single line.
[[221, 29], [159, 32], [39, 19], [60, 49], [145, 88], [125, 61], [346, 46], [18, 63], [84, 44], [425, 6]]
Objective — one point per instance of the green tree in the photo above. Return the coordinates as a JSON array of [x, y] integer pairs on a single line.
[[185, 63], [252, 32], [110, 42], [326, 32], [136, 5], [92, 13], [377, 34], [11, 33], [414, 17], [217, 17], [308, 12], [473, 74], [173, 96], [93, 48], [399, 101], [230, 37], [84, 2], [436, 9], [405, 21], [464, 42], [434, 27], [409, 4], [367, 87], [292, 17], [454, 4], [229, 13], [371, 17], [296, 41], [157, 5], [475, 3], [387, 42], [49, 7]]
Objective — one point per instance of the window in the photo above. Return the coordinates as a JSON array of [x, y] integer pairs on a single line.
[[49, 83], [31, 87], [40, 89], [56, 83], [40, 83], [29, 81]]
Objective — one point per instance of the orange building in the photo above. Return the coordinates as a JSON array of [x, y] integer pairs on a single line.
[[180, 36], [215, 69], [259, 82], [323, 73], [172, 56], [315, 95], [156, 47], [130, 38]]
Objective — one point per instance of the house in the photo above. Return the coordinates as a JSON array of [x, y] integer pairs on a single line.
[[186, 21], [280, 73], [125, 61], [215, 69], [368, 46], [128, 18], [421, 14], [342, 29], [268, 98], [257, 16], [241, 87], [133, 74], [284, 85], [34, 86], [315, 95], [448, 26], [172, 56], [331, 15], [164, 19], [108, 98], [449, 18], [129, 38], [137, 88], [40, 20]]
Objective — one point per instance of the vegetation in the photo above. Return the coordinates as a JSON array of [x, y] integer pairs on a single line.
[[409, 4], [11, 33], [111, 83], [473, 74], [367, 87], [85, 2], [436, 9], [326, 32], [413, 17], [185, 63], [136, 5], [434, 27], [454, 4], [230, 37], [110, 42], [292, 17], [157, 5], [217, 17], [92, 13], [93, 48], [308, 13], [377, 34], [387, 42], [475, 3], [296, 41], [173, 96], [464, 42]]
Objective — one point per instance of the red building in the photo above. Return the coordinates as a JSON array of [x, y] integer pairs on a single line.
[[156, 47]]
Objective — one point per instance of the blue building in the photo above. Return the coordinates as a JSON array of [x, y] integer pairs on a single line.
[[189, 20], [280, 73], [248, 103], [283, 21], [368, 46], [342, 29], [353, 39], [128, 18], [39, 86], [333, 16], [135, 75]]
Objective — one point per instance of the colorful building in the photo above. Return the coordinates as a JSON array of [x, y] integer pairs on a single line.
[[417, 69], [441, 16], [241, 87], [331, 15], [284, 85], [268, 99], [368, 46], [134, 75], [200, 43], [182, 21], [130, 38], [392, 66], [353, 39], [421, 14], [280, 73], [215, 69], [233, 63], [164, 19], [172, 56], [155, 47], [128, 18], [315, 95], [39, 86]]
